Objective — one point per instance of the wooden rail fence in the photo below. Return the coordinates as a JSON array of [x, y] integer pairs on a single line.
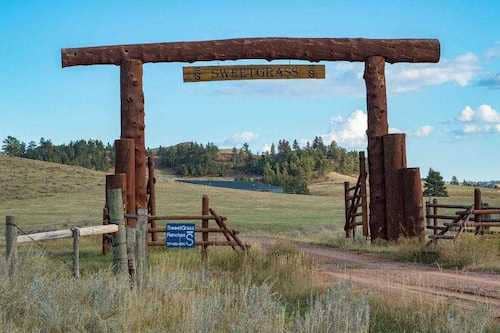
[[356, 205], [449, 221]]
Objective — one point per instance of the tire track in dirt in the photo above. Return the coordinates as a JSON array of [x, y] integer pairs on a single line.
[[467, 289]]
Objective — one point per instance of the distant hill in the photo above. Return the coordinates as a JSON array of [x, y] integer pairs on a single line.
[[22, 178]]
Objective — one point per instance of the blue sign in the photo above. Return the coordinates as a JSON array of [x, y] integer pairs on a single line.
[[180, 235]]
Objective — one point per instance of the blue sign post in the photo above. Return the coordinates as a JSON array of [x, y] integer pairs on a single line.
[[180, 235]]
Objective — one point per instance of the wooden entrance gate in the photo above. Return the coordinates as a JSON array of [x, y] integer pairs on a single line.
[[356, 198]]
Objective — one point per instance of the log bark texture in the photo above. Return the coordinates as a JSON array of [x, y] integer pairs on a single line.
[[376, 100], [132, 122], [413, 203], [273, 48], [125, 163], [394, 163]]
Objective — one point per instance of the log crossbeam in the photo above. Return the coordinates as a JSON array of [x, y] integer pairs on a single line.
[[311, 49]]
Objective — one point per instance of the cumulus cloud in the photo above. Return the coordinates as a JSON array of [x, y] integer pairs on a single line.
[[424, 131], [484, 119], [349, 132], [466, 115], [408, 77], [239, 138]]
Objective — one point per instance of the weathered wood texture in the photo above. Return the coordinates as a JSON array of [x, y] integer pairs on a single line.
[[252, 72], [141, 246], [364, 196], [205, 210], [376, 101], [11, 245], [116, 185], [132, 122], [413, 203], [125, 163], [312, 49], [152, 196], [76, 252], [67, 233], [394, 162]]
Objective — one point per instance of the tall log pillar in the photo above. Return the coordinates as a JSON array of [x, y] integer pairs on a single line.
[[125, 163], [132, 121], [394, 163], [376, 101], [413, 203]]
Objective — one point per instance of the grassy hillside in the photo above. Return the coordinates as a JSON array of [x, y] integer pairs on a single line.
[[44, 194]]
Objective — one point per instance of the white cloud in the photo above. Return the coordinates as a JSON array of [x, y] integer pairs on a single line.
[[484, 119], [240, 138], [488, 114], [408, 77], [348, 132], [466, 115], [424, 131]]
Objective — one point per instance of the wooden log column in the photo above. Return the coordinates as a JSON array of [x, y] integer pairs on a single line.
[[376, 101], [125, 163], [116, 185], [132, 122], [394, 162], [413, 203]]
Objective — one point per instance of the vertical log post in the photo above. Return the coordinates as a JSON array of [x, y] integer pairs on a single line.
[[116, 185], [132, 121], [11, 244], [152, 195], [106, 238], [427, 213], [346, 208], [477, 205], [204, 224], [76, 252], [376, 101], [364, 197], [141, 245], [394, 162], [434, 219], [413, 202]]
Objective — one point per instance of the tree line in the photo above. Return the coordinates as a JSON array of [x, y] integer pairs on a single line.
[[286, 164], [91, 154]]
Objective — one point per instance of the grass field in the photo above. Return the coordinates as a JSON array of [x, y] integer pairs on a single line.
[[43, 195], [276, 291]]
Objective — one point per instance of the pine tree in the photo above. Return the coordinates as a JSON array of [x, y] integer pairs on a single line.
[[434, 185]]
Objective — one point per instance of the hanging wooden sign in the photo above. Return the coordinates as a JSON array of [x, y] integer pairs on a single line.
[[252, 72]]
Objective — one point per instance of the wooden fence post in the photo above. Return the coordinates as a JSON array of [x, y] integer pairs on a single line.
[[477, 205], [346, 209], [76, 252], [204, 224], [11, 243], [116, 184], [141, 246], [434, 219], [152, 195]]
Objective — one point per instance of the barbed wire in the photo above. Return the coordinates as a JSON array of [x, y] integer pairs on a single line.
[[38, 243]]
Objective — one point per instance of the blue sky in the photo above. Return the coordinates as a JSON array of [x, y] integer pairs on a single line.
[[450, 111]]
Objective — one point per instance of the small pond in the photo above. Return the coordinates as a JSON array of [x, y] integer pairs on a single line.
[[234, 184]]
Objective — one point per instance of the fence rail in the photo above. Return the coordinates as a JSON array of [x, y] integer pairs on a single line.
[[449, 221]]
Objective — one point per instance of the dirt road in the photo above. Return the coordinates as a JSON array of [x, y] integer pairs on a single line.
[[383, 275]]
